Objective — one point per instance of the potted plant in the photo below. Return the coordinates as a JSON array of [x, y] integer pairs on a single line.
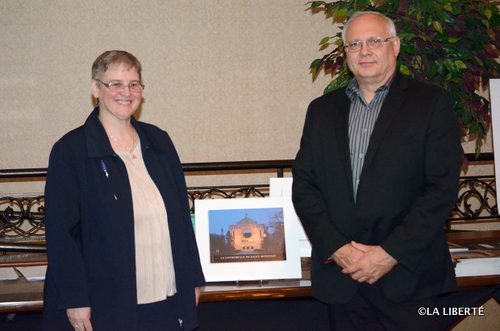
[[452, 43]]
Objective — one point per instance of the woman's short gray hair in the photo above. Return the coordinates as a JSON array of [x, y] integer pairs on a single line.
[[114, 57]]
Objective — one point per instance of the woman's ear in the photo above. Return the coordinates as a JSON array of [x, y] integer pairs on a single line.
[[94, 89]]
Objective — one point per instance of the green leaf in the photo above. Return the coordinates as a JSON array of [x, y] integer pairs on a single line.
[[453, 40], [433, 70], [316, 4], [406, 35], [448, 8], [324, 41], [486, 23], [444, 17], [315, 67], [437, 26], [479, 61], [323, 47], [459, 64], [315, 64], [404, 70], [424, 37], [488, 13], [341, 14], [362, 3], [419, 15]]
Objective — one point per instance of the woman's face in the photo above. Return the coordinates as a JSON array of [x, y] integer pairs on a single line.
[[121, 104]]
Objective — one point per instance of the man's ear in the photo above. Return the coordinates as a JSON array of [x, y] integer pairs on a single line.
[[396, 45]]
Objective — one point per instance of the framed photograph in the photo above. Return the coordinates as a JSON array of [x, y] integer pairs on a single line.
[[247, 239]]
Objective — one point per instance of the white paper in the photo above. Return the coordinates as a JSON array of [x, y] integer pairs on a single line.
[[33, 273], [458, 249], [8, 273], [478, 267], [282, 188]]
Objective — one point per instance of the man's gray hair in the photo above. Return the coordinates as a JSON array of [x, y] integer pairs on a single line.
[[391, 27]]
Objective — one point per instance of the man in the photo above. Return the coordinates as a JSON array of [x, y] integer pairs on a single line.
[[375, 179]]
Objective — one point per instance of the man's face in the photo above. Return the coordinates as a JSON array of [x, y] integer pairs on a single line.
[[371, 66]]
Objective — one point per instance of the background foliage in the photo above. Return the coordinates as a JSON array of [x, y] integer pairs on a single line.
[[451, 43]]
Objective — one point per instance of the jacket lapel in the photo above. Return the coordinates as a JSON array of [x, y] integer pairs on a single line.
[[341, 125], [97, 141], [390, 107]]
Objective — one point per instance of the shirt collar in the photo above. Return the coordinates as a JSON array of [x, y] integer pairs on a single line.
[[352, 89]]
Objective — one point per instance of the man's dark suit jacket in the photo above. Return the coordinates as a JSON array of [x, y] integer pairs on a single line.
[[407, 188]]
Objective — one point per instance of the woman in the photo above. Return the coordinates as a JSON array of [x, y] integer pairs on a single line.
[[121, 248]]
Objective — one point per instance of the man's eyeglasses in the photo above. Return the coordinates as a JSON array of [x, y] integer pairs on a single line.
[[371, 43], [117, 86]]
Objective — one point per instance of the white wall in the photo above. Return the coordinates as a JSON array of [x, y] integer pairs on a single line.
[[228, 79]]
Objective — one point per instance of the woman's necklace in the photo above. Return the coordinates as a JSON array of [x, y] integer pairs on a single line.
[[128, 148]]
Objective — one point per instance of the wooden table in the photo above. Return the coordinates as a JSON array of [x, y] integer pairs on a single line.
[[21, 295], [464, 237]]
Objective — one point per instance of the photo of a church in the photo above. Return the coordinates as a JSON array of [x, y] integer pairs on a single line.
[[247, 235]]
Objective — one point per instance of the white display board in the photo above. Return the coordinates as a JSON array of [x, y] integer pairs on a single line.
[[495, 119], [247, 239], [282, 188]]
